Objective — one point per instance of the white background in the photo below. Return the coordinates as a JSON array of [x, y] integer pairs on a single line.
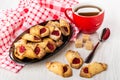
[[108, 52]]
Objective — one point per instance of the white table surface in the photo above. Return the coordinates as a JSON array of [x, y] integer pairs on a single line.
[[108, 52]]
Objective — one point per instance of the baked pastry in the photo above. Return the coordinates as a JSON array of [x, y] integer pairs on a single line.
[[74, 59], [50, 26], [43, 44], [49, 23], [21, 41], [39, 51], [85, 37], [59, 68], [44, 31], [29, 50], [31, 45], [89, 45], [50, 45], [64, 27], [92, 69], [59, 43], [23, 51], [79, 43], [35, 30], [30, 53], [19, 48], [56, 24], [55, 34], [19, 51], [32, 38]]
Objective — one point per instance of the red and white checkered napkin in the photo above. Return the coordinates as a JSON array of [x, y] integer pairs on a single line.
[[28, 13]]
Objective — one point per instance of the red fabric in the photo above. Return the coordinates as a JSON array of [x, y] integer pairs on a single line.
[[29, 12]]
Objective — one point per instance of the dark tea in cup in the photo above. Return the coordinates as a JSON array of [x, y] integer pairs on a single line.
[[88, 10], [87, 17]]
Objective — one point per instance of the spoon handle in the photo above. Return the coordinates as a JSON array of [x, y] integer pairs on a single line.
[[90, 56]]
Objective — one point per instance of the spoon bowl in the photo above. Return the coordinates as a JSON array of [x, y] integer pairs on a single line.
[[105, 34]]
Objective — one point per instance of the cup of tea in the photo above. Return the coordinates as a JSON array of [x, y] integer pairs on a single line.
[[87, 17]]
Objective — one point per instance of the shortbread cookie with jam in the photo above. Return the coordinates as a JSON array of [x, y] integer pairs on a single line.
[[64, 27], [32, 38], [92, 69], [59, 68], [74, 59], [50, 45]]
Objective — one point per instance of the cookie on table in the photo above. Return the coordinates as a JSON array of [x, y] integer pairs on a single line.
[[74, 59], [92, 69], [59, 68]]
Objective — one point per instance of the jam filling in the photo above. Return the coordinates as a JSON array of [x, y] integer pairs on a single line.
[[50, 46], [37, 50], [42, 30], [36, 38], [55, 32], [76, 61], [85, 70], [66, 29], [22, 49], [64, 69]]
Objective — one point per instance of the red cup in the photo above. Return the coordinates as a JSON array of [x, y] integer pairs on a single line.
[[86, 24]]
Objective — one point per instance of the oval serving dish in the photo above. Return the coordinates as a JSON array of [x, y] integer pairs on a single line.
[[65, 40]]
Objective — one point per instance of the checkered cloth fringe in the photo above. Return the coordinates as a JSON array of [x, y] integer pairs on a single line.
[[29, 12]]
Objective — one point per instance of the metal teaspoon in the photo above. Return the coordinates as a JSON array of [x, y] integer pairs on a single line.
[[104, 36]]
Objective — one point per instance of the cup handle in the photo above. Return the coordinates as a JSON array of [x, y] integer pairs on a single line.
[[66, 14]]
